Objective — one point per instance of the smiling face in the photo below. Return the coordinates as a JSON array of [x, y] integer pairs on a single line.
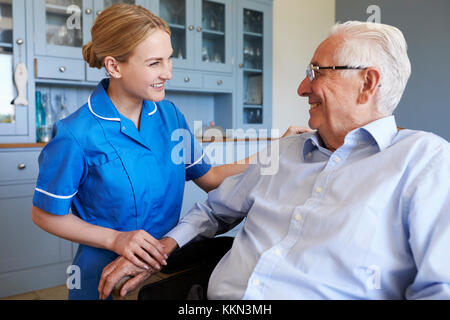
[[144, 74], [332, 97]]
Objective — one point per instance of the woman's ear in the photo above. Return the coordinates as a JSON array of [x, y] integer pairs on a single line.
[[371, 83], [113, 67]]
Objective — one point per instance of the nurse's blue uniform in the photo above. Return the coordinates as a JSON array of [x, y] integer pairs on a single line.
[[112, 175]]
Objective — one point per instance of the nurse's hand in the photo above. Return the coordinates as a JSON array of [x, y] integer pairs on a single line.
[[140, 248], [293, 130]]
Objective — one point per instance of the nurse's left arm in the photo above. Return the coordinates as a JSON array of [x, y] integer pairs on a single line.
[[214, 177]]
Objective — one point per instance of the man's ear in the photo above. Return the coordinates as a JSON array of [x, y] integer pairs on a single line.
[[113, 67], [370, 85]]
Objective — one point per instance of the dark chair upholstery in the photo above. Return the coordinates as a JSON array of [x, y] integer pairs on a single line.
[[191, 267]]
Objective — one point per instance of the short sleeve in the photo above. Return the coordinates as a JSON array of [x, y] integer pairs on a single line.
[[62, 167], [196, 160]]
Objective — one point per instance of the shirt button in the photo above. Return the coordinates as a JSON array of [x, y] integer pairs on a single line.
[[298, 217], [124, 128], [319, 189], [337, 159], [278, 252], [256, 282]]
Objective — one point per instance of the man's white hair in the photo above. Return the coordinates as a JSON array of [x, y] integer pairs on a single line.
[[377, 45]]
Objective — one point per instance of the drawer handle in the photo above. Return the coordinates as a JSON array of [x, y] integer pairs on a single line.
[[187, 79], [88, 11], [199, 29], [241, 65], [191, 27], [219, 82], [22, 166], [62, 69]]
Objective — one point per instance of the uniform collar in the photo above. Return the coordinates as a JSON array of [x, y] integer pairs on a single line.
[[102, 107], [381, 131]]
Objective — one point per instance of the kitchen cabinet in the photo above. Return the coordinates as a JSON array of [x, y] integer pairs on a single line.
[[13, 41], [201, 33], [30, 258], [254, 75], [62, 27]]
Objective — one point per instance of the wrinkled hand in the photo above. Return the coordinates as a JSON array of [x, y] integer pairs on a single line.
[[293, 130], [114, 272], [140, 248], [120, 268]]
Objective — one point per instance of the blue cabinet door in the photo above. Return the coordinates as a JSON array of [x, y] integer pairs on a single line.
[[61, 28], [213, 36], [254, 58], [13, 44]]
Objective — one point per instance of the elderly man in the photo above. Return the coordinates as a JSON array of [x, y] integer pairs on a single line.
[[357, 209]]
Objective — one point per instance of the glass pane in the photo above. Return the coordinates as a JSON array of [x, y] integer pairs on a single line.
[[6, 23], [253, 21], [110, 3], [213, 23], [253, 66], [63, 22], [174, 13], [253, 115], [6, 89]]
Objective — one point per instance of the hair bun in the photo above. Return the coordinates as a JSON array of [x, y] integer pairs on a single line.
[[90, 57]]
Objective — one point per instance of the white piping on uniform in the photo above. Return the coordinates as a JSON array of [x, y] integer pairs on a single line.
[[54, 195], [154, 111], [90, 108], [196, 162]]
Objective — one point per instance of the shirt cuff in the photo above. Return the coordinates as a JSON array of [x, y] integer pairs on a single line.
[[183, 233]]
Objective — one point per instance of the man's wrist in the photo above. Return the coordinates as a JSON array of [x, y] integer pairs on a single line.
[[169, 245]]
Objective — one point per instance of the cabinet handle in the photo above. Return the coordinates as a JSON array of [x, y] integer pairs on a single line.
[[199, 29], [62, 69], [19, 41], [187, 79], [99, 12], [241, 65], [191, 27], [88, 11], [22, 166], [219, 82]]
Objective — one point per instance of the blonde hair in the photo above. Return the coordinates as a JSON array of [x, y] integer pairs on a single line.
[[118, 30]]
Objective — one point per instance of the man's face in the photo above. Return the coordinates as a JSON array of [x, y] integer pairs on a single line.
[[332, 97]]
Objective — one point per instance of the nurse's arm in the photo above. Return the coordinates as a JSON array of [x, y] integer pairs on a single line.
[[214, 177], [129, 244]]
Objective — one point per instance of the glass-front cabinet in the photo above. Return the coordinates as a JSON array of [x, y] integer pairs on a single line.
[[254, 72], [62, 28], [13, 117], [201, 33]]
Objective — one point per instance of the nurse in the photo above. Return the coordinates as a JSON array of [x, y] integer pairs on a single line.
[[111, 161]]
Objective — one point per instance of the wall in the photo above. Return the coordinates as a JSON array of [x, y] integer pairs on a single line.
[[426, 26], [299, 27]]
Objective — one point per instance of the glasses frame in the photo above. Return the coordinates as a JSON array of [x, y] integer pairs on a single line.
[[311, 68]]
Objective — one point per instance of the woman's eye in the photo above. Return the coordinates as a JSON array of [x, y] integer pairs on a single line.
[[153, 64]]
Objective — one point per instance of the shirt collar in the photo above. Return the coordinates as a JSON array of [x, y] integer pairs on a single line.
[[102, 107], [382, 132]]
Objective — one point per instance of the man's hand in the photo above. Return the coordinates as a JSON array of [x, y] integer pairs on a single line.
[[114, 272], [120, 268], [293, 130]]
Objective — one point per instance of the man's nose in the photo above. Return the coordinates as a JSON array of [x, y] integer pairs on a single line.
[[304, 88]]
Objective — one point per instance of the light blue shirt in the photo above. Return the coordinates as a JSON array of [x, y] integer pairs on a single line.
[[368, 221]]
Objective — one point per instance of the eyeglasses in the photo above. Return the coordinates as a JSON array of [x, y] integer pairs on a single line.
[[311, 68]]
